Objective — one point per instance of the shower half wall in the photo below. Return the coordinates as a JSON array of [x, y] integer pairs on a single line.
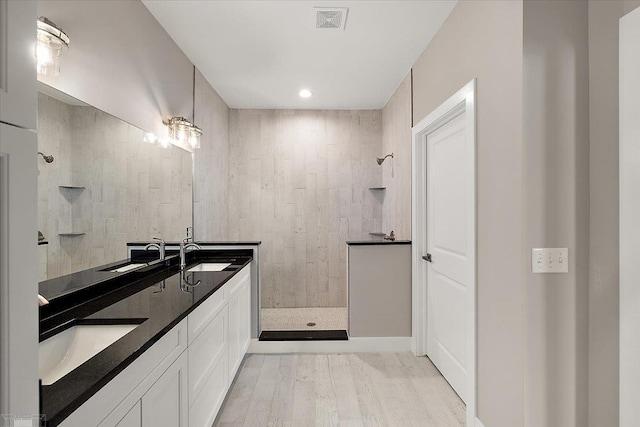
[[299, 182]]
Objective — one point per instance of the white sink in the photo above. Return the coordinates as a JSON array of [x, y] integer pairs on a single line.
[[64, 352], [126, 268], [208, 266]]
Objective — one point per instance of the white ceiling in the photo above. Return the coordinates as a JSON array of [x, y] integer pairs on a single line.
[[259, 54]]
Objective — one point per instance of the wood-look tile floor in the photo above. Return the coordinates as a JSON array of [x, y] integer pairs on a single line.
[[358, 389]]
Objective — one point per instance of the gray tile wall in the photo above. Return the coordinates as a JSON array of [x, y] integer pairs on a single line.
[[298, 181], [396, 177], [134, 190], [211, 191]]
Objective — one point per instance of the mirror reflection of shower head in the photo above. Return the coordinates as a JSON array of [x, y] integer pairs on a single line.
[[381, 159], [48, 159]]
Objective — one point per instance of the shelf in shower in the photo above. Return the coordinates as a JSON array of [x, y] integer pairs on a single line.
[[71, 187], [72, 234], [377, 188]]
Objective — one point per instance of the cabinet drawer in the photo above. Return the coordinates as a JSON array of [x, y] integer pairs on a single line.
[[206, 407], [204, 353], [199, 319]]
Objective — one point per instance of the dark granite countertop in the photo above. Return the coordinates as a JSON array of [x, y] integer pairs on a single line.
[[157, 302], [217, 243], [378, 242]]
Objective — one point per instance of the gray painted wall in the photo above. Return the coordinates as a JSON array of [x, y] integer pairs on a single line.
[[298, 181], [134, 190], [380, 290], [556, 209], [396, 172], [483, 39], [121, 61]]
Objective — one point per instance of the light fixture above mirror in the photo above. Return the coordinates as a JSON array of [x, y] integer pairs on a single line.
[[184, 132], [51, 40]]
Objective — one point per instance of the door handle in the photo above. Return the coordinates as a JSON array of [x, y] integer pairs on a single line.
[[427, 258]]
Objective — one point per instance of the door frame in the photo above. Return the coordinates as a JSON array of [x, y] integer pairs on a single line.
[[462, 101]]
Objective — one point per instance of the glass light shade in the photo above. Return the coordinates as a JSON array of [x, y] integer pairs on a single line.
[[49, 45], [48, 53], [184, 132]]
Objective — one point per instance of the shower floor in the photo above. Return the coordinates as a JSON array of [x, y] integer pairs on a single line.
[[296, 319]]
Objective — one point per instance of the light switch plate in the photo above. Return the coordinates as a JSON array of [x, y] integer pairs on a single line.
[[550, 260]]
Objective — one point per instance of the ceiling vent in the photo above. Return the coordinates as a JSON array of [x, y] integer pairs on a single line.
[[331, 17]]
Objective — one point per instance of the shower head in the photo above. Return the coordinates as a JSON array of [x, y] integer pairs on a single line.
[[381, 159], [48, 159]]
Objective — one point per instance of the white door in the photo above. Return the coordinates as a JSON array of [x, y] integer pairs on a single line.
[[450, 244], [629, 224]]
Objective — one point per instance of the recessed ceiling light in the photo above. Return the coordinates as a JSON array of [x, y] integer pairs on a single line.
[[305, 93]]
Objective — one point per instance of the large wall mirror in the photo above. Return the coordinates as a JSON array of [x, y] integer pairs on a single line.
[[100, 185]]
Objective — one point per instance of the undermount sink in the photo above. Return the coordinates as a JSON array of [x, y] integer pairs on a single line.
[[64, 352], [128, 267], [209, 266]]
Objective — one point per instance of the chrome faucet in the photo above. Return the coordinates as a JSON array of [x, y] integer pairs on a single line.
[[159, 246], [184, 245]]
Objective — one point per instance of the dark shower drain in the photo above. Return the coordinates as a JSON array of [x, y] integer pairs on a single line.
[[311, 324]]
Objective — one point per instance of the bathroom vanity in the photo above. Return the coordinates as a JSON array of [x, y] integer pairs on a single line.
[[154, 346]]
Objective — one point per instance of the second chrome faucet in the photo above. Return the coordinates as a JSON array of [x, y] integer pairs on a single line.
[[184, 245]]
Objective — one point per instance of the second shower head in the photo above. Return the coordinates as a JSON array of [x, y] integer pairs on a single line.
[[48, 159], [382, 159]]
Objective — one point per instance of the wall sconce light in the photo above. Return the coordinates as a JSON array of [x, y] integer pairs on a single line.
[[51, 40], [185, 132]]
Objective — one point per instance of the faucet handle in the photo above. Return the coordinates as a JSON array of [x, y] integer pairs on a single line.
[[159, 239]]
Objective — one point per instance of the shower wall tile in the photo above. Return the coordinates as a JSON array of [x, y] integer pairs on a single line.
[[134, 190], [298, 181], [211, 177], [396, 138]]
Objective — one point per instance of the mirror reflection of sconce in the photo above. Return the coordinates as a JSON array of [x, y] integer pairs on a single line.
[[51, 40], [183, 131]]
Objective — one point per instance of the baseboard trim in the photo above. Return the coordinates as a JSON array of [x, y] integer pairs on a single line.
[[353, 345], [479, 423]]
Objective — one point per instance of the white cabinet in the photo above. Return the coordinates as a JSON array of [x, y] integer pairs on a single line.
[[239, 325], [205, 352], [19, 280], [18, 191], [182, 380], [165, 403], [18, 84], [133, 417]]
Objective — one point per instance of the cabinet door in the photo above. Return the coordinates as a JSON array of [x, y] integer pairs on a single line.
[[245, 319], [234, 334], [18, 278], [18, 84], [166, 403], [133, 417]]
